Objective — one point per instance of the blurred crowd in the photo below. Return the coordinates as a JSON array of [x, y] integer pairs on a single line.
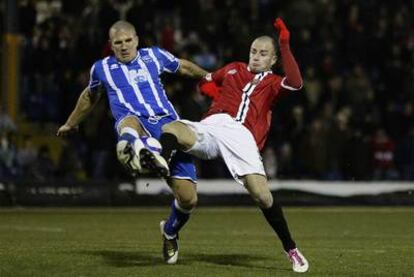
[[353, 120]]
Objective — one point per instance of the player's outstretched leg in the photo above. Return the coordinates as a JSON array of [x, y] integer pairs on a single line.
[[258, 188], [176, 135], [274, 216], [169, 144]]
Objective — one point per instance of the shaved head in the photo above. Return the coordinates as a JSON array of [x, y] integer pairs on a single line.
[[269, 40], [262, 54], [124, 41], [121, 25]]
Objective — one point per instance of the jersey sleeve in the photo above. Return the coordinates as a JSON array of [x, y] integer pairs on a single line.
[[286, 86], [279, 89], [94, 81], [218, 75], [167, 61], [293, 78]]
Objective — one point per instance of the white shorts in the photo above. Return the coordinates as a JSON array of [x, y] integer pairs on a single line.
[[219, 135]]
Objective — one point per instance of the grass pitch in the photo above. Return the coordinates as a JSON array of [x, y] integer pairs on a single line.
[[216, 242]]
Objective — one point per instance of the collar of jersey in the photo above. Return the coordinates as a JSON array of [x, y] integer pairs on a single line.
[[131, 62], [248, 69]]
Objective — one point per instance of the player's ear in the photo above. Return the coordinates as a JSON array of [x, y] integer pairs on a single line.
[[274, 59], [137, 40]]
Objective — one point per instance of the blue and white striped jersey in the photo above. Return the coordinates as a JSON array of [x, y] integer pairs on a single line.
[[135, 88]]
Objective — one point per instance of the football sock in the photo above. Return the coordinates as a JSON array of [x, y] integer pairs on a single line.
[[274, 216], [169, 144], [128, 134], [176, 221]]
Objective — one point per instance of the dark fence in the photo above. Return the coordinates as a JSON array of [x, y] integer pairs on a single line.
[[211, 193]]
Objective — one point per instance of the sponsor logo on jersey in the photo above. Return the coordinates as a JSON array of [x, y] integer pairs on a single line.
[[113, 66], [146, 58], [138, 75], [232, 71]]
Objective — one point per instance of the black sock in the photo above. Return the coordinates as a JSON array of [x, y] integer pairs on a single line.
[[274, 216], [169, 143]]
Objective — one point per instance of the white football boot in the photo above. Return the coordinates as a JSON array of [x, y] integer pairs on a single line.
[[126, 155], [169, 247], [299, 262]]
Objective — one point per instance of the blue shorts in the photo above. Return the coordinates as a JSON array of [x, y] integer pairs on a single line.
[[182, 164]]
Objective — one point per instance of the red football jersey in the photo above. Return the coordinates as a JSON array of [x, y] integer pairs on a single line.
[[248, 97]]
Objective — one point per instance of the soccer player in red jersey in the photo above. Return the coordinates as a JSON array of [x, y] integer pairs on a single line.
[[236, 126]]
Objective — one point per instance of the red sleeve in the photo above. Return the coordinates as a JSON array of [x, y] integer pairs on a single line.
[[293, 79], [218, 75]]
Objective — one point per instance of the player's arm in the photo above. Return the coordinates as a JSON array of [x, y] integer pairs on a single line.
[[85, 104], [191, 70], [211, 83], [293, 79]]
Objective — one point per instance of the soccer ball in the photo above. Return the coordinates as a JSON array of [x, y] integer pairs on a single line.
[[129, 154], [152, 144]]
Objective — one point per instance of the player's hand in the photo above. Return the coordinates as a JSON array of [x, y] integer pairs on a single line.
[[209, 89], [284, 34], [66, 130]]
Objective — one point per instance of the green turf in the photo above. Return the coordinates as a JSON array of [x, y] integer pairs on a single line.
[[216, 242]]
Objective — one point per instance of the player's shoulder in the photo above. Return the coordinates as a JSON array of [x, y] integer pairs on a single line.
[[237, 65], [98, 64], [146, 50], [234, 67], [154, 52]]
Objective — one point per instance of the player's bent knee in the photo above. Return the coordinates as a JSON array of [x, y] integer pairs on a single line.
[[264, 200], [172, 128], [188, 202], [186, 138]]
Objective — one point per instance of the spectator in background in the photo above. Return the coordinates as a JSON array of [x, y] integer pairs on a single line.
[[296, 129], [270, 162], [357, 157], [44, 168], [313, 89], [27, 12], [8, 165], [206, 58], [7, 124], [404, 157], [69, 165], [333, 37], [285, 162], [315, 150], [26, 156], [383, 149]]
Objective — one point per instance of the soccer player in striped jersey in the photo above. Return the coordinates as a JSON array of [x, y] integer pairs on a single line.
[[236, 126], [139, 104]]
